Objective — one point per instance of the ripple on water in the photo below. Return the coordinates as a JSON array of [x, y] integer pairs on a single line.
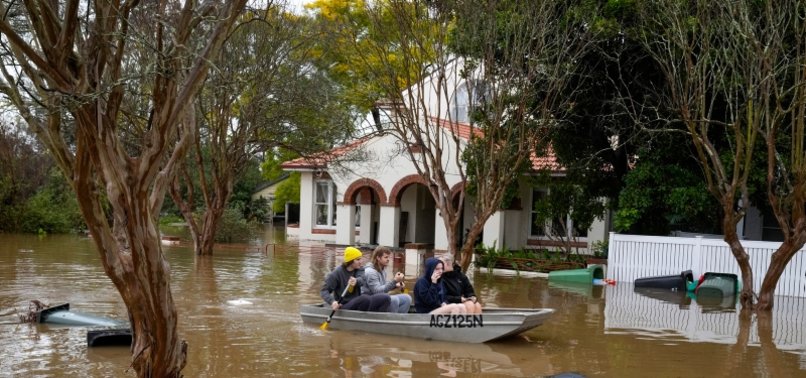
[[608, 332]]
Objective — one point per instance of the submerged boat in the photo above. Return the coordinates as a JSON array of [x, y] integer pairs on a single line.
[[492, 324], [676, 282], [62, 315]]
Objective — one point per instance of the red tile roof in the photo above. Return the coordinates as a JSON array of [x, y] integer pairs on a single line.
[[319, 161], [463, 130], [546, 162]]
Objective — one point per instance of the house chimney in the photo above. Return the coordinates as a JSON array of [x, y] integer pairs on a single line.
[[388, 109], [376, 116]]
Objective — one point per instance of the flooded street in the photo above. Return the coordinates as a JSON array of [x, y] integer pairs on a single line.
[[239, 312]]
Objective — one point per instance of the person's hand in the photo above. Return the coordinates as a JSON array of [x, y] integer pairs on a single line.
[[335, 305], [435, 276], [399, 277], [351, 282]]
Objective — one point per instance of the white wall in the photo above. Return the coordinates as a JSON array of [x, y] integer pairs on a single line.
[[441, 94], [306, 210], [408, 204]]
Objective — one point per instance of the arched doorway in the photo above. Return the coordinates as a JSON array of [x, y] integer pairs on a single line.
[[365, 197], [417, 211]]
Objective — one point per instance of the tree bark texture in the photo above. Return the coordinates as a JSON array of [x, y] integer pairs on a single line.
[[86, 82]]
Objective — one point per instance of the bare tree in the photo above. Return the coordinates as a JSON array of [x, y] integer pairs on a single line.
[[107, 86], [265, 94], [735, 77], [512, 75]]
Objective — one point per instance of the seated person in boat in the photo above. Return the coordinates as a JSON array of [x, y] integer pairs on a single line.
[[342, 287], [429, 293], [458, 288], [375, 276]]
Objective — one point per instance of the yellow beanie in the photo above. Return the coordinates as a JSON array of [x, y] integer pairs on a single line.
[[351, 253]]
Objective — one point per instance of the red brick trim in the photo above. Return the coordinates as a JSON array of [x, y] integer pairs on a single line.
[[366, 196], [394, 195], [352, 191], [323, 231]]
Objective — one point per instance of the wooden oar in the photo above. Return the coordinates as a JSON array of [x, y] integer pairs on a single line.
[[330, 317]]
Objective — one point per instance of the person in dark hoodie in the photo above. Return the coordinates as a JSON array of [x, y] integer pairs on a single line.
[[458, 288], [346, 280], [429, 293]]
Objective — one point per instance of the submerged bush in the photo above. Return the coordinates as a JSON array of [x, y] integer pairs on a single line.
[[233, 227]]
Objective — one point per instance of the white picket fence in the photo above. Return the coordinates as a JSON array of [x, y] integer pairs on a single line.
[[628, 312], [635, 256]]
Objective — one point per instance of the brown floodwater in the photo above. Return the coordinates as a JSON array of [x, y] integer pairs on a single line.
[[238, 312]]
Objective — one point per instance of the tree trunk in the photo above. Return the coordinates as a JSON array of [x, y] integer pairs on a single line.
[[206, 239], [468, 247], [132, 255], [746, 298], [778, 263], [81, 67]]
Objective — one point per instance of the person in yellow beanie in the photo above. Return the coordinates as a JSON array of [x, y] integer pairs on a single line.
[[342, 287]]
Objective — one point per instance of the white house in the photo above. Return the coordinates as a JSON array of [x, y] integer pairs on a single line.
[[380, 198], [266, 190]]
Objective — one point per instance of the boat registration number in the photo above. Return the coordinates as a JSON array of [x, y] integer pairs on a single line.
[[457, 321]]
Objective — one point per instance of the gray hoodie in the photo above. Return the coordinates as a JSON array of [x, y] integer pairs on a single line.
[[376, 281]]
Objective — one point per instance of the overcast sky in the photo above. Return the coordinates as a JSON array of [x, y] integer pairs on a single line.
[[297, 5]]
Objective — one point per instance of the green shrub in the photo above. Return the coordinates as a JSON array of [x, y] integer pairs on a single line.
[[169, 219], [52, 210], [233, 227], [600, 248]]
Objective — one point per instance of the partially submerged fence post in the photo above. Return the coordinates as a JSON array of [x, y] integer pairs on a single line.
[[698, 257]]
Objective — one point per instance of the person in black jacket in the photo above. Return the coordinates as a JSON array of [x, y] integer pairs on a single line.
[[429, 294], [458, 288]]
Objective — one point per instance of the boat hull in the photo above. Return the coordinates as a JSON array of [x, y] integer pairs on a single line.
[[492, 324]]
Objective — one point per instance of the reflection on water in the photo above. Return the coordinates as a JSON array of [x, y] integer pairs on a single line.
[[673, 315], [238, 310]]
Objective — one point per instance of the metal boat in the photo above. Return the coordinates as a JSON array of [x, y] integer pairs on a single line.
[[492, 324]]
